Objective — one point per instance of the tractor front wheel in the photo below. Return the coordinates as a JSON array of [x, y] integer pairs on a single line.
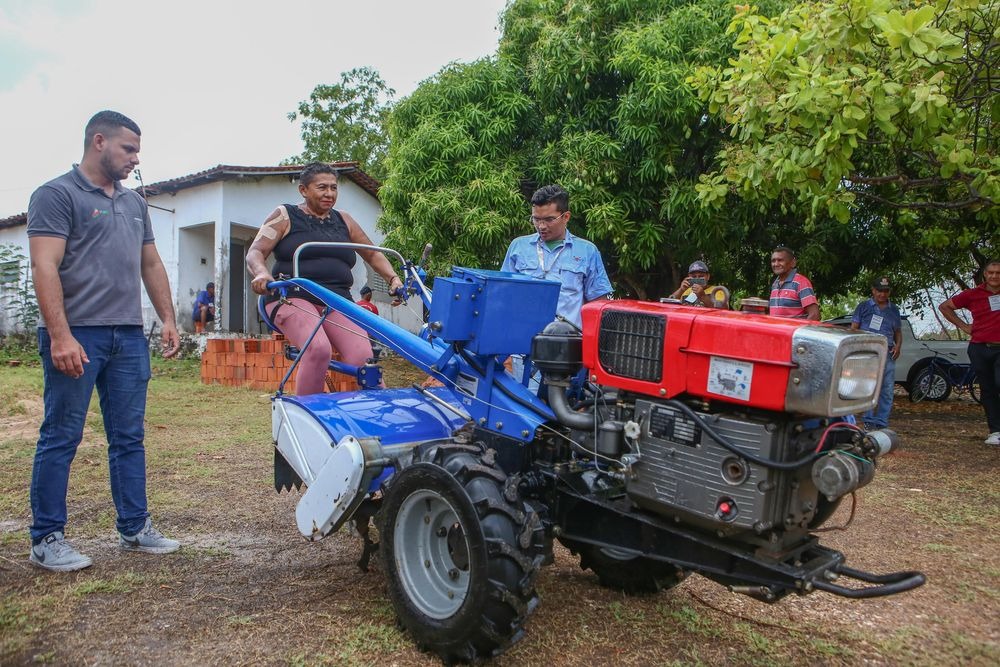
[[460, 556]]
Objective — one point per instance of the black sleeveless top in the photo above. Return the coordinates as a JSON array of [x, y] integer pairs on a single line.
[[330, 267]]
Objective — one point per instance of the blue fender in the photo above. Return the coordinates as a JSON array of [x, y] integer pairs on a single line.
[[399, 418]]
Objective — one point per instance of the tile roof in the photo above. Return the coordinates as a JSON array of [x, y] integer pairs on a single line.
[[14, 220], [225, 172]]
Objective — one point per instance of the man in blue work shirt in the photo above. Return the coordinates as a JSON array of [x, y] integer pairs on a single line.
[[203, 311], [552, 253], [878, 315]]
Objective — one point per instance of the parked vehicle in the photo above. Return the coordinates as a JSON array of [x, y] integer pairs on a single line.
[[916, 354], [941, 376], [671, 440]]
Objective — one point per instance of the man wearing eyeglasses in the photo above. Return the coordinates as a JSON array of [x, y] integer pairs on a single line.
[[879, 315], [553, 253], [792, 293]]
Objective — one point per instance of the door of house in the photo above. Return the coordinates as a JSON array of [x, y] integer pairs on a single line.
[[237, 289]]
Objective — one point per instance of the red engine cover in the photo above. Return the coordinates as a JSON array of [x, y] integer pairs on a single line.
[[715, 354]]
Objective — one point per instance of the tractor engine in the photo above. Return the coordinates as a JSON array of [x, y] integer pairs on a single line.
[[721, 420]]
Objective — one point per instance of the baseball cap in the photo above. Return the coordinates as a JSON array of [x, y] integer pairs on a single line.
[[366, 290], [881, 283], [698, 266]]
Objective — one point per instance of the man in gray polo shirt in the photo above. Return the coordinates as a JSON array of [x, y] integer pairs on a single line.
[[91, 241]]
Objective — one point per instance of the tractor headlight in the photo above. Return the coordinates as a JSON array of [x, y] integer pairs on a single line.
[[859, 376], [836, 372]]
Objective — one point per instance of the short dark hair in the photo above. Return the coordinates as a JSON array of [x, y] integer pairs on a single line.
[[551, 194], [785, 249], [990, 262], [314, 169], [107, 123]]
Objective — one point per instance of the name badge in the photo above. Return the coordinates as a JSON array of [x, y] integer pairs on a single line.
[[995, 302], [876, 323]]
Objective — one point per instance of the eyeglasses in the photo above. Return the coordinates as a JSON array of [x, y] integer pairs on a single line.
[[548, 220]]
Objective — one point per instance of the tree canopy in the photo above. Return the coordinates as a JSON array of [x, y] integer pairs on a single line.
[[880, 114], [593, 96], [859, 132], [346, 121]]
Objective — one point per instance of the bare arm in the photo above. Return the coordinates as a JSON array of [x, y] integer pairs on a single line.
[[154, 277], [812, 312], [68, 356], [676, 294], [948, 311], [375, 259], [897, 343], [275, 228]]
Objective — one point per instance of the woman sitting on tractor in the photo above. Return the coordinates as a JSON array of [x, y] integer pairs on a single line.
[[288, 227]]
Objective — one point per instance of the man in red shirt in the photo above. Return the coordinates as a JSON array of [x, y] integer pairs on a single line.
[[791, 292], [366, 300], [983, 301]]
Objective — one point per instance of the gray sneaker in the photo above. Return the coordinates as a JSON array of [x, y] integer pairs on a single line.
[[55, 553], [148, 540]]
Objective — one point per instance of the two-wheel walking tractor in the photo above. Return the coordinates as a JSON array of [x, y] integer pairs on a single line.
[[668, 440]]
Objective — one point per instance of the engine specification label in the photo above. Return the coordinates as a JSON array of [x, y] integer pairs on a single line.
[[729, 377]]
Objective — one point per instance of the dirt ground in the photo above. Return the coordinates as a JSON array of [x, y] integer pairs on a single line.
[[246, 589]]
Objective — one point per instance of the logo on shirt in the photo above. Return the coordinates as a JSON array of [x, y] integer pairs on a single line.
[[97, 212]]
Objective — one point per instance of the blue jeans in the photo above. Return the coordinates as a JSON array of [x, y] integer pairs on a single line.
[[119, 367], [880, 416]]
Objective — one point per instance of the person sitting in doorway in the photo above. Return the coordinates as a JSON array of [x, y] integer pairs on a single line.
[[204, 308]]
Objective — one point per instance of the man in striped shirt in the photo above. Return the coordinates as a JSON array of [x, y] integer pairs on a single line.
[[791, 293]]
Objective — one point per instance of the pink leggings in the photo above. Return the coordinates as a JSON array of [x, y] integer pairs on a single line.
[[297, 319]]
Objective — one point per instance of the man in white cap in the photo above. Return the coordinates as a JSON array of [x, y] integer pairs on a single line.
[[695, 290], [878, 315]]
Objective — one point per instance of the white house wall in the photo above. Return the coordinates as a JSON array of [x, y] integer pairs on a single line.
[[17, 237]]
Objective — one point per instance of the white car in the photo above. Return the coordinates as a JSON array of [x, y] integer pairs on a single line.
[[916, 354]]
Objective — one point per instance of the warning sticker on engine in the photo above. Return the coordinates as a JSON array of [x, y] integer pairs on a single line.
[[728, 377]]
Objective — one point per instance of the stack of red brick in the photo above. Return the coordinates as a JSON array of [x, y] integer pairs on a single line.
[[258, 364]]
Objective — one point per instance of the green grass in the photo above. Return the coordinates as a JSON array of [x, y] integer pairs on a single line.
[[238, 621], [366, 638], [19, 347], [693, 622], [126, 582], [626, 614], [12, 615]]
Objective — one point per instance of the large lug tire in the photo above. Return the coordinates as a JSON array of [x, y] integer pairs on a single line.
[[930, 385], [460, 551], [621, 571]]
